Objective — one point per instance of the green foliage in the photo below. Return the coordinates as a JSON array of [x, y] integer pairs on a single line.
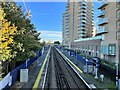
[[56, 42], [26, 40], [6, 38]]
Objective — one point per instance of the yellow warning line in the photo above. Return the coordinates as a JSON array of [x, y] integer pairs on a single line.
[[71, 62], [40, 72]]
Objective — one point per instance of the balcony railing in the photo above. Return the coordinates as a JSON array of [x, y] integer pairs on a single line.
[[103, 21], [84, 3], [83, 11], [67, 31], [102, 31], [67, 15], [83, 21], [67, 24], [83, 7], [67, 21], [81, 28], [102, 14], [83, 14], [82, 18], [105, 3], [82, 25], [67, 18]]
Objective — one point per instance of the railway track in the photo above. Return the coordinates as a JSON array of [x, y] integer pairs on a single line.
[[61, 75]]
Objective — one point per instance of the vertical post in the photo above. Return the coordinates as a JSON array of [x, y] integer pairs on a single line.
[[119, 84], [116, 74], [86, 63], [96, 70], [76, 54], [42, 50], [26, 64], [117, 56]]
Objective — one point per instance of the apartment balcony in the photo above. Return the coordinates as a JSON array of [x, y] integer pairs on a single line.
[[67, 21], [82, 18], [67, 31], [83, 14], [103, 21], [83, 21], [67, 24], [84, 3], [83, 11], [67, 28], [67, 18], [102, 14], [66, 12], [82, 25], [67, 6], [67, 15], [83, 7], [102, 31], [83, 33], [81, 28], [103, 5]]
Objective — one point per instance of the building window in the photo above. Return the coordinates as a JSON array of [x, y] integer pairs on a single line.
[[118, 14], [104, 49], [112, 49], [118, 25]]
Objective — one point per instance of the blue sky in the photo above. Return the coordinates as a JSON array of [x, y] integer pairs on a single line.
[[47, 17]]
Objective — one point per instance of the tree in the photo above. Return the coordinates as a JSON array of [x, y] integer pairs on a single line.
[[56, 42], [7, 33], [43, 43], [49, 42], [26, 39]]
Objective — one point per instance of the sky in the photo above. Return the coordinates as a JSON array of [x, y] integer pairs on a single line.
[[47, 18]]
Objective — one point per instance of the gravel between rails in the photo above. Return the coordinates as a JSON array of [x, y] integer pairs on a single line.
[[65, 77]]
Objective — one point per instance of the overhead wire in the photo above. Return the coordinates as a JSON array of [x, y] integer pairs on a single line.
[[28, 11]]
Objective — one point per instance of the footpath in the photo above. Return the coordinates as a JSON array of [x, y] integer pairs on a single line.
[[32, 75], [107, 84]]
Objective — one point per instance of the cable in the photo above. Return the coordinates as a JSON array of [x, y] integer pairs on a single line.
[[28, 11]]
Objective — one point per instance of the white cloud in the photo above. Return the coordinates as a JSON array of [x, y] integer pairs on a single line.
[[51, 35]]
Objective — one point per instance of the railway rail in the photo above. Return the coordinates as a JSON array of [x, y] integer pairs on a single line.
[[60, 75]]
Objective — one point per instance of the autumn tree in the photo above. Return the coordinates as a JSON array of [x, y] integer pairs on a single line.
[[26, 39], [7, 32]]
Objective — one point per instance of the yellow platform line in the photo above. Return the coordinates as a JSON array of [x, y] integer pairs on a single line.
[[71, 62], [40, 72]]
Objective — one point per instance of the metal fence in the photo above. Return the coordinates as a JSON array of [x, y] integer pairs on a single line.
[[14, 75]]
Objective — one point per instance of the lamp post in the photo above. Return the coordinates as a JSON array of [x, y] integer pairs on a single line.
[[117, 56]]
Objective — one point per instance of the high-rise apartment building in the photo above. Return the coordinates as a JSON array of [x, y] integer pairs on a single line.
[[109, 25], [106, 43], [77, 21]]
